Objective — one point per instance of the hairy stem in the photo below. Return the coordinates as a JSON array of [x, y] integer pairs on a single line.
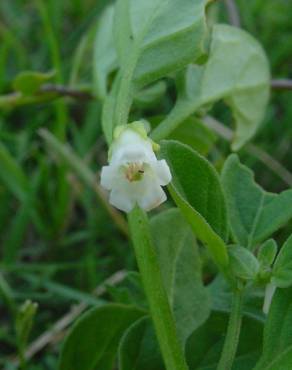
[[160, 310], [232, 335]]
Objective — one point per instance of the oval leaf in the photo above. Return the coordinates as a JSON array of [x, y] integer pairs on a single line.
[[267, 253], [156, 28], [93, 341], [237, 71], [29, 82], [139, 349], [277, 333], [197, 191], [254, 213], [282, 270]]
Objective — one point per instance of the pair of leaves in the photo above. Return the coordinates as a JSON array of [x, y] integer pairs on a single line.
[[197, 191], [277, 347], [237, 71], [254, 214]]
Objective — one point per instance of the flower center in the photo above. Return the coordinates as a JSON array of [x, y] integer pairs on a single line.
[[134, 171]]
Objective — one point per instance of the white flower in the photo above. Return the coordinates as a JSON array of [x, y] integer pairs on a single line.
[[134, 174]]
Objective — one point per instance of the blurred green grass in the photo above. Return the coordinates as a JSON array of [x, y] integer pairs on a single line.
[[57, 242]]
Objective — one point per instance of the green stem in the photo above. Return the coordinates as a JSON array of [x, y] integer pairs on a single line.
[[233, 331], [153, 285], [124, 97]]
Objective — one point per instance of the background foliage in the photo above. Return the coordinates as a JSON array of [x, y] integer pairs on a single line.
[[57, 241]]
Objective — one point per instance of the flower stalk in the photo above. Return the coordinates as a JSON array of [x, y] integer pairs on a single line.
[[160, 310]]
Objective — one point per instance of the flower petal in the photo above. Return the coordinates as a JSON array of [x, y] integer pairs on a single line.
[[107, 177], [162, 172], [131, 147], [122, 199], [152, 197]]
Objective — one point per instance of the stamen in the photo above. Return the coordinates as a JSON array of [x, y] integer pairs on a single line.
[[134, 171]]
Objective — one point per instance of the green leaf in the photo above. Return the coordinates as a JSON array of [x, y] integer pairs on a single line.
[[139, 349], [254, 214], [129, 291], [195, 134], [180, 267], [267, 253], [205, 344], [160, 310], [277, 333], [281, 362], [93, 341], [221, 293], [197, 192], [150, 96], [146, 33], [282, 269], [237, 71], [105, 56], [243, 263], [29, 82], [155, 29]]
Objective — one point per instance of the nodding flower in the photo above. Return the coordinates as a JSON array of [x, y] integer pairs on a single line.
[[134, 174]]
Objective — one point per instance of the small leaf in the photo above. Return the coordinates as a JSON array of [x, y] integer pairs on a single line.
[[254, 214], [197, 191], [93, 341], [267, 253], [282, 270], [180, 267], [277, 333], [29, 82], [243, 263], [139, 349], [237, 71]]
